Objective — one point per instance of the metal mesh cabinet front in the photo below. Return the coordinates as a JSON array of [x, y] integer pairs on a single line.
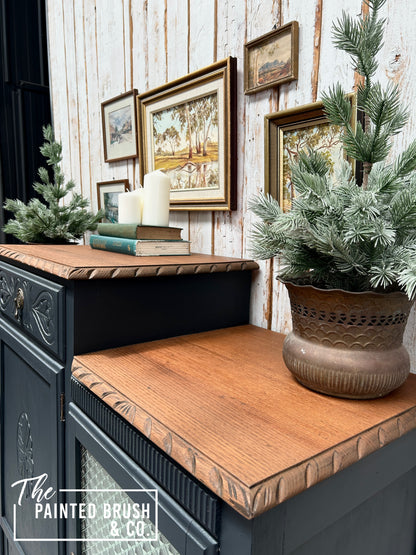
[[103, 478]]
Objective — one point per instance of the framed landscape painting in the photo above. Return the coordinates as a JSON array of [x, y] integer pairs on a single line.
[[289, 132], [107, 197], [187, 130], [271, 59], [119, 127]]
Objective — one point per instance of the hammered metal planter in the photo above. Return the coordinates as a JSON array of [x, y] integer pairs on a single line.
[[347, 344]]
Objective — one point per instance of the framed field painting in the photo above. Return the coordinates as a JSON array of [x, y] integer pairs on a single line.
[[271, 59], [289, 132], [107, 197], [119, 127], [187, 130]]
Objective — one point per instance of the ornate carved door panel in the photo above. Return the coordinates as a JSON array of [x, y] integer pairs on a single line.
[[31, 442]]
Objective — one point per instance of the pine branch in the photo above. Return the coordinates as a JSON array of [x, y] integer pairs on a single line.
[[406, 162], [40, 222], [338, 234], [265, 207]]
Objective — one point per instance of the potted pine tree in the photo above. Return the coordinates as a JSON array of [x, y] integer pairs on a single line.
[[51, 221], [348, 252]]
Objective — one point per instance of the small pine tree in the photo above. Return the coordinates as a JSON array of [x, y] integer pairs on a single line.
[[52, 221], [338, 234]]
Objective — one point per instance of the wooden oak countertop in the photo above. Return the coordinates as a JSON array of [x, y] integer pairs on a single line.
[[223, 405], [82, 262]]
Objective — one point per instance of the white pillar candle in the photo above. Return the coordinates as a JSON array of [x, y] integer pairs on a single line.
[[130, 207], [156, 199]]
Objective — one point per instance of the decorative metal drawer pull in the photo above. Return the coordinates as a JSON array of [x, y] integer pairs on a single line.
[[19, 301]]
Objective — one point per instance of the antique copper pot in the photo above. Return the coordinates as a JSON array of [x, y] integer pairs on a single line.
[[347, 344]]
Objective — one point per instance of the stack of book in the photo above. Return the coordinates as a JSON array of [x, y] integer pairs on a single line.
[[140, 240]]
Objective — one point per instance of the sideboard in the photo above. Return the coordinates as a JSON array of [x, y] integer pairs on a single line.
[[292, 471], [135, 376], [57, 301]]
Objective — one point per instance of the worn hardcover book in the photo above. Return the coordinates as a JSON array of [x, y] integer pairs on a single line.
[[134, 231], [140, 247]]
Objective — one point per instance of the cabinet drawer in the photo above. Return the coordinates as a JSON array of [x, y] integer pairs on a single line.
[[35, 306]]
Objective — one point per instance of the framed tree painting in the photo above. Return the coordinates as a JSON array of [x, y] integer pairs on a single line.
[[107, 198], [187, 130], [120, 127], [289, 132]]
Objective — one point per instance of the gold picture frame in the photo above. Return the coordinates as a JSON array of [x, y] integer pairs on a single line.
[[107, 197], [271, 59], [187, 128], [290, 131], [119, 122]]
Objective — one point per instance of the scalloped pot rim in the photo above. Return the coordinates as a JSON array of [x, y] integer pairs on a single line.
[[344, 291]]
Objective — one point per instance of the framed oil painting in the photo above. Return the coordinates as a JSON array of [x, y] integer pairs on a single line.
[[271, 59], [289, 132], [187, 130], [120, 127], [107, 197]]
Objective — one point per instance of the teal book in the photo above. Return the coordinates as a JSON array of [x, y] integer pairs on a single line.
[[140, 247]]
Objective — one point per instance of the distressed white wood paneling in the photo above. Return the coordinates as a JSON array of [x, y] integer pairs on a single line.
[[91, 107], [84, 143], [112, 67], [177, 66], [330, 57], [263, 16], [156, 51], [397, 63], [201, 54], [139, 64], [101, 49], [177, 39], [57, 69], [70, 146], [231, 32], [129, 165]]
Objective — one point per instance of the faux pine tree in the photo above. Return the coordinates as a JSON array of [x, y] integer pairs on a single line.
[[51, 221], [338, 234]]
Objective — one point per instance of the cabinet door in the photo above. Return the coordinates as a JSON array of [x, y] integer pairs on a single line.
[[31, 444], [109, 482]]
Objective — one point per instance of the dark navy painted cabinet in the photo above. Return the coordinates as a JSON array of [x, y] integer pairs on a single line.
[[32, 352], [32, 437], [55, 429], [51, 311]]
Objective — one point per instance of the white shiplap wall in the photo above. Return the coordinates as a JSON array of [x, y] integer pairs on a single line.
[[102, 48]]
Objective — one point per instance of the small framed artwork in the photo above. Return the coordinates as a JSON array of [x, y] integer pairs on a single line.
[[188, 130], [289, 132], [271, 59], [107, 195], [119, 127]]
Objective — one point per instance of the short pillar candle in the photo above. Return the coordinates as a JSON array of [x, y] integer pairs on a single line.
[[130, 207], [156, 199]]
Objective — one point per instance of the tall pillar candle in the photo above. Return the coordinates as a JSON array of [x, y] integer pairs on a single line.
[[156, 199], [130, 207]]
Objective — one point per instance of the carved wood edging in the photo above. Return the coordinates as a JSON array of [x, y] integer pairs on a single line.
[[85, 273], [249, 501]]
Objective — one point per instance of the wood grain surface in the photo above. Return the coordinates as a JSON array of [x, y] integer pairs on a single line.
[[155, 42], [83, 262], [223, 405]]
